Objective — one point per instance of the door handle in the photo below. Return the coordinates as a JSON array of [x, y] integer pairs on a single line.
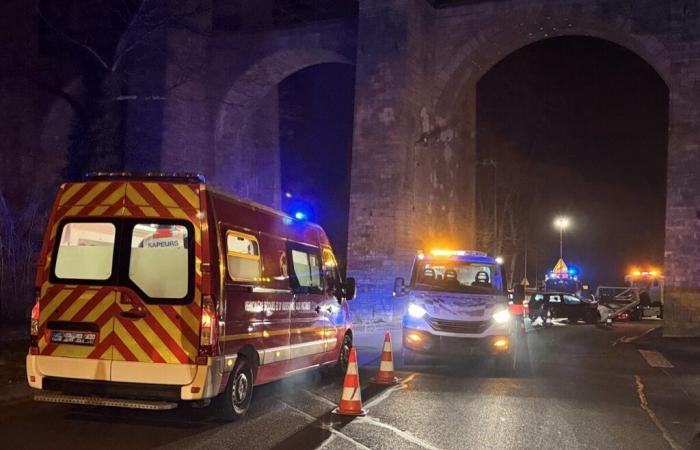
[[318, 309], [133, 314]]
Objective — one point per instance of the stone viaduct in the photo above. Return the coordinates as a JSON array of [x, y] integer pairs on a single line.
[[417, 64]]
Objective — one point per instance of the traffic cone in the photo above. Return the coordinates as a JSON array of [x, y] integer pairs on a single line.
[[351, 399], [386, 364]]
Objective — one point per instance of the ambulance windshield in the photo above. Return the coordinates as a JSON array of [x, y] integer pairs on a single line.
[[458, 276]]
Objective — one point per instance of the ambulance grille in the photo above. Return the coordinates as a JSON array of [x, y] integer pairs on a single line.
[[458, 326]]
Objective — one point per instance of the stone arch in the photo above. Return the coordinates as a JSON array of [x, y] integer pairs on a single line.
[[472, 59], [246, 142]]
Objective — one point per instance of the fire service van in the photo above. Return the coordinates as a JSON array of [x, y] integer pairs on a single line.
[[457, 307], [157, 289]]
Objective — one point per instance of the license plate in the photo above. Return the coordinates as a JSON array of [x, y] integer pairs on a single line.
[[73, 337]]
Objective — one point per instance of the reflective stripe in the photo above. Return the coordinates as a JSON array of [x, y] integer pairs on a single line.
[[386, 366], [351, 394]]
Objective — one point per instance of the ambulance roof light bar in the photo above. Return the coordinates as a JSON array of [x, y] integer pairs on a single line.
[[183, 177], [445, 252]]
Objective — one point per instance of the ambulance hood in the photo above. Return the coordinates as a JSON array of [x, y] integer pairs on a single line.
[[457, 306]]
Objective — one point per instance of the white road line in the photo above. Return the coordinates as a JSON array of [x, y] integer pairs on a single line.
[[644, 404], [628, 339], [386, 394], [332, 430], [403, 434], [656, 359]]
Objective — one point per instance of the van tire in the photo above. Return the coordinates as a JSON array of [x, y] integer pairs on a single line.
[[341, 366], [234, 402]]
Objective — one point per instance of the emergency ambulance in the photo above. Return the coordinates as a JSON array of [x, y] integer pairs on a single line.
[[457, 306], [157, 289]]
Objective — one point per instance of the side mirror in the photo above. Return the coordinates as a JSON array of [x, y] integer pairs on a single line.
[[350, 288], [399, 287]]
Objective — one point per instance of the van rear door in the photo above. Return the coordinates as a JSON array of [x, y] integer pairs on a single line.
[[157, 322], [76, 294]]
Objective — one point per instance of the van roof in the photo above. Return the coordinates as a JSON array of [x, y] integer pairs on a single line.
[[192, 178]]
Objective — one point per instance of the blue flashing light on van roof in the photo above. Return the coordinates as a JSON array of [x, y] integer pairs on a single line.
[[299, 215]]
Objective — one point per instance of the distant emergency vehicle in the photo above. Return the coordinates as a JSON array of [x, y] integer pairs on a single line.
[[457, 306], [562, 279], [157, 289]]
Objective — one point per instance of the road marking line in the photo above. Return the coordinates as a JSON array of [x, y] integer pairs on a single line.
[[656, 359], [386, 394], [329, 428], [628, 339], [645, 406], [403, 434]]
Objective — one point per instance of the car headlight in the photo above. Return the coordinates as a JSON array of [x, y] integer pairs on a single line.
[[416, 311], [501, 316]]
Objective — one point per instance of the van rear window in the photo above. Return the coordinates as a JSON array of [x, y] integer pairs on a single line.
[[155, 258], [158, 261], [85, 251]]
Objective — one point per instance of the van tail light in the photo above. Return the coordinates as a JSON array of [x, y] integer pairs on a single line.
[[208, 335], [34, 323]]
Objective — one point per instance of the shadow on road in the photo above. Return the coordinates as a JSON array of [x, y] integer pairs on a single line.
[[315, 433]]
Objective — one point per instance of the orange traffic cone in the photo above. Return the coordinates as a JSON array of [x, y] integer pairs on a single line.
[[386, 365], [351, 399]]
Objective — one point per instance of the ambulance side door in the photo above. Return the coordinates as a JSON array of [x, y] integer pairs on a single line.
[[307, 329]]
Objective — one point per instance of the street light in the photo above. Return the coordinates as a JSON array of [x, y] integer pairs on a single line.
[[561, 222]]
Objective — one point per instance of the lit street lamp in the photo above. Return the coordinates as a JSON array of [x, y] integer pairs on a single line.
[[561, 222]]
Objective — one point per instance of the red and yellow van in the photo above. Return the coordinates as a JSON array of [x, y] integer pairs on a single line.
[[157, 289]]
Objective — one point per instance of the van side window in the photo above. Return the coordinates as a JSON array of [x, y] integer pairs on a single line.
[[307, 270], [330, 270], [242, 257], [85, 251]]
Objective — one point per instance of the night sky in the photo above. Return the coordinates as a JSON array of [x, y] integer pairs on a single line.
[[588, 120]]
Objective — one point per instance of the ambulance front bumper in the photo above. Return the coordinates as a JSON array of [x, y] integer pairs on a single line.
[[84, 377], [486, 338]]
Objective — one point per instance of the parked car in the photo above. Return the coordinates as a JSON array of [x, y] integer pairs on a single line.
[[563, 305]]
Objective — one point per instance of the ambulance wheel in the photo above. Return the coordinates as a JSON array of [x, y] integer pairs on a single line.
[[341, 366], [235, 400]]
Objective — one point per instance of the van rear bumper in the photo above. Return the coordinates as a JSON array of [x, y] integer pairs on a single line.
[[75, 380]]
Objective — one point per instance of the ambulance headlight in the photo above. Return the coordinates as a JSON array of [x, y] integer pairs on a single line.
[[416, 311], [501, 316]]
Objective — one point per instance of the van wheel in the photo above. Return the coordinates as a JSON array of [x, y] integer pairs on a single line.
[[235, 400], [342, 366]]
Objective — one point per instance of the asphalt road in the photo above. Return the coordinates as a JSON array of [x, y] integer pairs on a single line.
[[576, 386]]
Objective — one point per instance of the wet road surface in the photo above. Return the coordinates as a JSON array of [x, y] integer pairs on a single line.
[[576, 386]]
